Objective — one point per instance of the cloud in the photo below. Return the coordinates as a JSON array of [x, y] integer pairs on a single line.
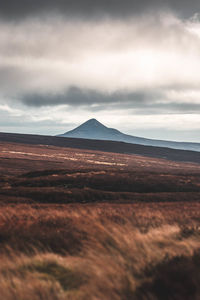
[[149, 63], [144, 67], [106, 56], [75, 96], [93, 8], [143, 102]]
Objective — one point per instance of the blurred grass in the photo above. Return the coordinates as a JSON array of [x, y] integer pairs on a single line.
[[139, 251]]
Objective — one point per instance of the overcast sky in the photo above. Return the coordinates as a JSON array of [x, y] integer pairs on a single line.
[[133, 65]]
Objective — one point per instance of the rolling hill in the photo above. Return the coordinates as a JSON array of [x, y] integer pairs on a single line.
[[102, 145], [93, 129]]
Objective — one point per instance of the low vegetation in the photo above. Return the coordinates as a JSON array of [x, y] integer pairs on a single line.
[[83, 225], [138, 251]]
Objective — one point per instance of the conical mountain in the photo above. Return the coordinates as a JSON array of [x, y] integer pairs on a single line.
[[93, 129]]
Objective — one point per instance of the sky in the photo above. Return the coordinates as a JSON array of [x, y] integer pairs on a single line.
[[133, 65]]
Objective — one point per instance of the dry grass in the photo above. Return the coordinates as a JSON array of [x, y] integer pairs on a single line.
[[100, 251], [146, 249]]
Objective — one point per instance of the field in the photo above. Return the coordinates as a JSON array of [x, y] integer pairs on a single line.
[[85, 224]]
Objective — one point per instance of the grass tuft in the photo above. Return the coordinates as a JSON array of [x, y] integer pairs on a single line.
[[51, 270]]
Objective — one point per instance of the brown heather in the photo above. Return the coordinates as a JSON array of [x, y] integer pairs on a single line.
[[86, 225], [133, 251]]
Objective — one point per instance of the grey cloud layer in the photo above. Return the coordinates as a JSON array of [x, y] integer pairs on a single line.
[[93, 8], [53, 55], [132, 64], [81, 97], [143, 68], [146, 102]]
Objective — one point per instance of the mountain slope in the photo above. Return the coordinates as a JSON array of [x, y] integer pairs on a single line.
[[93, 129]]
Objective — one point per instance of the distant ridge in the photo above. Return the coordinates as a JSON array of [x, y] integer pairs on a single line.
[[93, 129], [105, 146]]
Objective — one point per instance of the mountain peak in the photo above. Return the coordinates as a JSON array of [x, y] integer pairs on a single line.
[[92, 122], [93, 129]]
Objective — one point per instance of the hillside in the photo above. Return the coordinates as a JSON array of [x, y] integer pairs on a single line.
[[93, 129], [102, 145], [76, 223], [49, 174]]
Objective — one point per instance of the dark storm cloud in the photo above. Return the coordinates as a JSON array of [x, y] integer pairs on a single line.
[[148, 107], [145, 107], [80, 97], [94, 8], [148, 102]]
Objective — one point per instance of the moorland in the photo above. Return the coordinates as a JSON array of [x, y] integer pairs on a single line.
[[88, 224]]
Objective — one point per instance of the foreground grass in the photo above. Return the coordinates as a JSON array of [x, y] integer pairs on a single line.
[[140, 251]]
